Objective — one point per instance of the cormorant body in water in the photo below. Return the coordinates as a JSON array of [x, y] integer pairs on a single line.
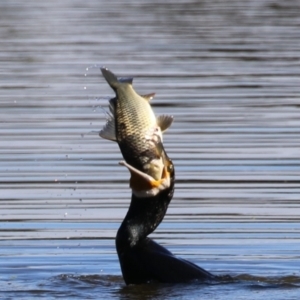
[[141, 259]]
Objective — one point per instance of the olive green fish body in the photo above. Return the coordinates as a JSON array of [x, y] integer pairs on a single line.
[[135, 122], [133, 125]]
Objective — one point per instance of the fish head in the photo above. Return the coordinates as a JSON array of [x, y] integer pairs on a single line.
[[144, 185]]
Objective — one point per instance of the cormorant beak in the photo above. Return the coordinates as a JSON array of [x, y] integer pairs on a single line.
[[144, 185]]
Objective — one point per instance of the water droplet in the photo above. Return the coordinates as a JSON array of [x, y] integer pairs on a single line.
[[65, 214], [55, 180], [84, 74], [84, 88], [87, 69]]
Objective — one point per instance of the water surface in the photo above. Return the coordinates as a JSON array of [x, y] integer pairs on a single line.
[[229, 73]]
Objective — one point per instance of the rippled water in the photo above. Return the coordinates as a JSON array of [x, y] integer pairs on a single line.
[[229, 73]]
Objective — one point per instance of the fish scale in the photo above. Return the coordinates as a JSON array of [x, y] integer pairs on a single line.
[[132, 128], [133, 125]]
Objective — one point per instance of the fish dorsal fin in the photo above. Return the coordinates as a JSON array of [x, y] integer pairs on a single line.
[[109, 130], [148, 97], [112, 104], [125, 80], [164, 122]]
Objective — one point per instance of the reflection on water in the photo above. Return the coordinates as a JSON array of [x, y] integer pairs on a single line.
[[229, 73], [87, 286]]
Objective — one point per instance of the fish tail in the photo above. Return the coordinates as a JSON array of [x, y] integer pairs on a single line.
[[110, 77]]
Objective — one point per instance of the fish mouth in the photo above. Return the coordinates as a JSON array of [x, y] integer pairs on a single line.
[[143, 185]]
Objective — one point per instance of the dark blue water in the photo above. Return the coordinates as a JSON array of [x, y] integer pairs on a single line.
[[228, 71]]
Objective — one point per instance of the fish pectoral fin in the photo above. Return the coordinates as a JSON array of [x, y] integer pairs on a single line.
[[148, 97], [164, 122], [109, 131]]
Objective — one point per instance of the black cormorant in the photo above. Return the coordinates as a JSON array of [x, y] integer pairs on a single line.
[[142, 260]]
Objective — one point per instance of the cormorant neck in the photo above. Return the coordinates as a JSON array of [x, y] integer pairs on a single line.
[[143, 216]]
